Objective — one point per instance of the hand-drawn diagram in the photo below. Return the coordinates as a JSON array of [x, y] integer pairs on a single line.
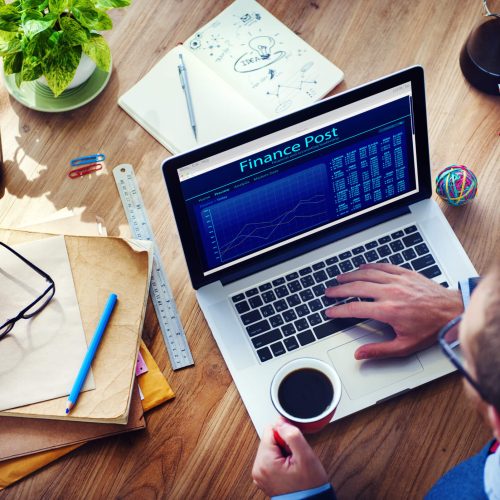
[[299, 85], [260, 57]]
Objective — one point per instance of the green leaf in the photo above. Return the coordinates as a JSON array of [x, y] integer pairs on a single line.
[[31, 4], [111, 4], [34, 22], [9, 18], [6, 35], [5, 38], [2, 2], [29, 15], [58, 6], [104, 22], [54, 38], [11, 46], [38, 46], [98, 50], [59, 67], [32, 69], [90, 17], [13, 63], [19, 79], [72, 32], [85, 12]]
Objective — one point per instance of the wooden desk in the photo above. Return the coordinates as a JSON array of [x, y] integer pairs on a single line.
[[202, 444]]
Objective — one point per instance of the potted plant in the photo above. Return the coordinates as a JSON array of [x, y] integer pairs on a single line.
[[50, 38]]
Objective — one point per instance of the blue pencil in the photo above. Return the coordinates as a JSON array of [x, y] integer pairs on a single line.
[[94, 344]]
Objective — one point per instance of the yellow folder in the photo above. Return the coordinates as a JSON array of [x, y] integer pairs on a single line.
[[155, 389]]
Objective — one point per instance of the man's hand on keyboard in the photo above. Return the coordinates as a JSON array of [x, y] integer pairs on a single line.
[[413, 305]]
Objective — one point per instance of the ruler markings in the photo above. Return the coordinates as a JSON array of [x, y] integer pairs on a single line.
[[160, 291]]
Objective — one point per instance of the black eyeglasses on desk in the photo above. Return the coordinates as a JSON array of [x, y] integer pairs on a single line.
[[37, 305], [449, 341]]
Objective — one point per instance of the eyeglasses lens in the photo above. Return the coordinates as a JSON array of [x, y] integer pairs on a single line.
[[40, 304], [5, 329], [21, 286], [451, 336]]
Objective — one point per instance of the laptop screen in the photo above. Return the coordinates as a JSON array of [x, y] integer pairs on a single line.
[[279, 188]]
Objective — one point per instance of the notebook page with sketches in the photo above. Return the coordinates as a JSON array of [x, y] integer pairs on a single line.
[[158, 104], [263, 60], [42, 355], [244, 68]]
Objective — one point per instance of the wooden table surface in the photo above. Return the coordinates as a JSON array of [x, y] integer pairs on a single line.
[[202, 444]]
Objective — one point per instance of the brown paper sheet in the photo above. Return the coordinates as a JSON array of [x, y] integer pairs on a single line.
[[156, 391], [69, 221], [27, 436], [101, 266]]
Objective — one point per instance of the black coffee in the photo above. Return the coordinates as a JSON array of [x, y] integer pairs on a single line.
[[305, 393]]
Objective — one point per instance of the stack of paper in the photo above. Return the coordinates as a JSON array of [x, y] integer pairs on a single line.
[[20, 438], [85, 271], [99, 266], [28, 447]]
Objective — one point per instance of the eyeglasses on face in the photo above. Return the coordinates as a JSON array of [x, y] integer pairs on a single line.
[[449, 341], [37, 305]]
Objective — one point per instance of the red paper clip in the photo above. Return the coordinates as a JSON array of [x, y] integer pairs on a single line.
[[87, 169]]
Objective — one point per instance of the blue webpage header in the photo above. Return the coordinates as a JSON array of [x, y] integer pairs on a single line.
[[305, 184]]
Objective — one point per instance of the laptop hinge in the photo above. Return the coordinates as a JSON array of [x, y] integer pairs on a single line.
[[313, 243]]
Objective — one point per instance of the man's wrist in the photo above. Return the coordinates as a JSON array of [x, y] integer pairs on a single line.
[[450, 308], [457, 305]]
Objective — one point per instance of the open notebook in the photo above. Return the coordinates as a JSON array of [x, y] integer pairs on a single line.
[[244, 67]]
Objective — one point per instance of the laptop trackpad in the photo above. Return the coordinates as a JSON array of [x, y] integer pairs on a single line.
[[361, 378]]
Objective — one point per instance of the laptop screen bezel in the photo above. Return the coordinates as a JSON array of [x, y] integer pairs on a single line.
[[170, 166]]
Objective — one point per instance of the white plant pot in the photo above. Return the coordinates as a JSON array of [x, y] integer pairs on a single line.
[[83, 72]]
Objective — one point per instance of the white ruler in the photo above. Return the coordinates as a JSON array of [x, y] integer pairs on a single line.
[[160, 291]]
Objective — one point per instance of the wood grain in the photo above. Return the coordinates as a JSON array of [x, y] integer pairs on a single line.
[[202, 444]]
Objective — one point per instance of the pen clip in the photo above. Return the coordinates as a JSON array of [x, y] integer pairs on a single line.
[[181, 77]]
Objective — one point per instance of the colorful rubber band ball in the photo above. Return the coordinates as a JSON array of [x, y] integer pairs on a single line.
[[456, 185]]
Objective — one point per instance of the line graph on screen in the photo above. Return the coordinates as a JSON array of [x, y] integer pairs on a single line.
[[266, 213]]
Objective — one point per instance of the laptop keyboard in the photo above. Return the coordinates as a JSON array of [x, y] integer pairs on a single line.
[[288, 312]]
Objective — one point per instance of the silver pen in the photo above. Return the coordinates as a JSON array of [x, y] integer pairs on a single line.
[[185, 87]]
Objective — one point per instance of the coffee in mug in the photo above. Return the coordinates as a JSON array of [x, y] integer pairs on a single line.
[[306, 391]]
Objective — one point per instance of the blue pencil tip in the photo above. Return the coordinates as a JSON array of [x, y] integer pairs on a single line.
[[67, 411]]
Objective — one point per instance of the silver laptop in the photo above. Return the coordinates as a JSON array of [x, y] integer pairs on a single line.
[[269, 217]]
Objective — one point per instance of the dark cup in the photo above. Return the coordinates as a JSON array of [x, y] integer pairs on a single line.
[[306, 391]]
